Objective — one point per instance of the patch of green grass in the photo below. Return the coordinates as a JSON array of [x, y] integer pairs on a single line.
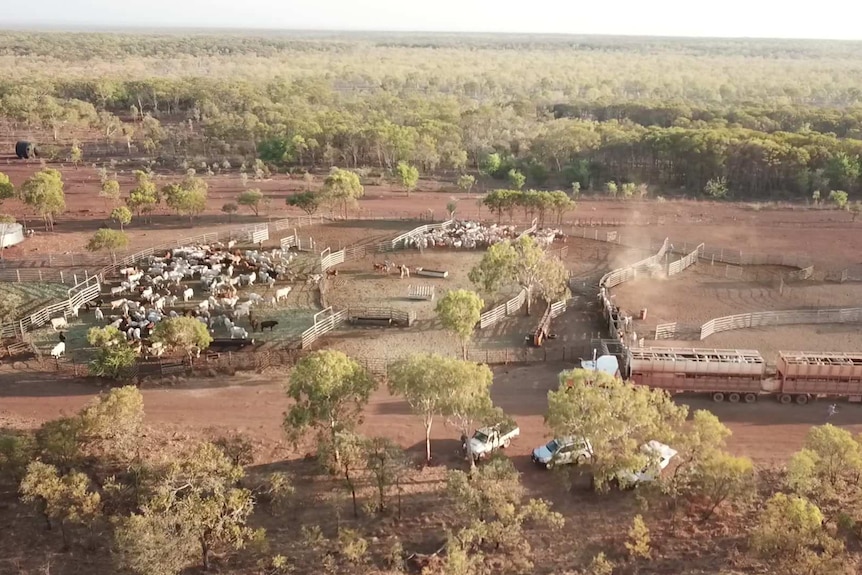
[[34, 296]]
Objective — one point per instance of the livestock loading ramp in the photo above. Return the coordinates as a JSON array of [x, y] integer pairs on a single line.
[[732, 373]]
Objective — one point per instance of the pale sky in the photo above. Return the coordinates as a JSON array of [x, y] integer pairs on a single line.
[[835, 19]]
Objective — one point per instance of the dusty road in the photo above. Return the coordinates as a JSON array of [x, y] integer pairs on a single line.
[[766, 431]]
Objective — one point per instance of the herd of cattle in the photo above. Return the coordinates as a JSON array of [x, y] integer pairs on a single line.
[[153, 290], [472, 235]]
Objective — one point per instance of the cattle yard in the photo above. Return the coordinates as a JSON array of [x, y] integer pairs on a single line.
[[375, 299], [371, 310]]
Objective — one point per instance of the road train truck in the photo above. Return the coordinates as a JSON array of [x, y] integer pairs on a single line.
[[743, 375]]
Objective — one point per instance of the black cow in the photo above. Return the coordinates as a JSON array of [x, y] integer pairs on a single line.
[[270, 323], [24, 150]]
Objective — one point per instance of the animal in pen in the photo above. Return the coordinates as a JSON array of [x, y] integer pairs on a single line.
[[59, 323], [58, 350]]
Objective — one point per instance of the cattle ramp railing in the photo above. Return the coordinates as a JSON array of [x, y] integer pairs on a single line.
[[507, 308], [78, 295], [685, 262], [325, 321]]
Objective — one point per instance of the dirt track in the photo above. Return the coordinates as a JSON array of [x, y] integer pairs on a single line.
[[766, 431]]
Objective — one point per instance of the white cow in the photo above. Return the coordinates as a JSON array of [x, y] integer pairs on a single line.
[[59, 323], [281, 293], [99, 315], [117, 290], [58, 350], [117, 303], [188, 294], [238, 332], [256, 298]]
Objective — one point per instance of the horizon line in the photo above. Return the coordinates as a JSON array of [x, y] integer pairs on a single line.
[[54, 27]]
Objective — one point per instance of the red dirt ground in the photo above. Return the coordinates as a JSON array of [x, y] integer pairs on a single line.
[[765, 431], [255, 403]]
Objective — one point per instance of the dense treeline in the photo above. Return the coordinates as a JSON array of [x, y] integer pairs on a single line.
[[773, 118]]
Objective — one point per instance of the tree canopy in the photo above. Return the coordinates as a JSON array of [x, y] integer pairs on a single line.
[[329, 390], [459, 312], [109, 240], [43, 192]]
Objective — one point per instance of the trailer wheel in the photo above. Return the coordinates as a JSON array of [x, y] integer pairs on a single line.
[[801, 399], [750, 398], [505, 444], [784, 399], [718, 397], [733, 398]]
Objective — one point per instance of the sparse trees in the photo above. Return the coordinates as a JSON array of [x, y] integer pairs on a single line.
[[65, 499], [250, 199], [183, 333], [638, 544], [459, 312], [43, 191], [490, 164], [342, 188], [839, 198], [616, 417], [828, 468], [408, 176], [720, 478], [329, 390], [108, 240], [523, 262], [424, 382], [76, 154], [855, 209], [716, 188], [469, 397], [122, 215], [611, 189], [230, 209], [196, 508], [790, 534], [189, 197], [115, 354], [144, 198], [7, 190], [466, 182], [451, 207], [516, 179], [490, 501], [307, 201], [110, 191], [386, 462], [345, 451]]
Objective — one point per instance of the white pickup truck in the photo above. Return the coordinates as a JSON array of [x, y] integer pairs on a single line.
[[488, 439]]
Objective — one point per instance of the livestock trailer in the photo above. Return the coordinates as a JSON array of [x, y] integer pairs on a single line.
[[802, 376], [733, 374]]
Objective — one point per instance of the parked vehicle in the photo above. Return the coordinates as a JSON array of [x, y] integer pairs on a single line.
[[486, 440], [660, 456], [563, 451]]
